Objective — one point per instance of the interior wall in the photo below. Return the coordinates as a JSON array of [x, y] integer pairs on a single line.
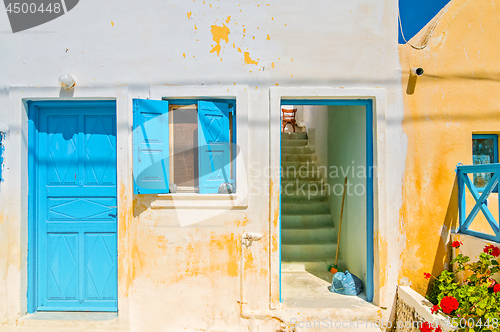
[[347, 157], [315, 119]]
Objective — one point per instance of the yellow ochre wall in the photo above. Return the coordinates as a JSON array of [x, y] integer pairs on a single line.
[[458, 95]]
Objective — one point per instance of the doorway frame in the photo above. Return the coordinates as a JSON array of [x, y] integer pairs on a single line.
[[330, 96], [17, 185]]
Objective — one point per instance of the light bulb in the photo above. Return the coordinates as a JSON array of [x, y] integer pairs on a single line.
[[67, 81]]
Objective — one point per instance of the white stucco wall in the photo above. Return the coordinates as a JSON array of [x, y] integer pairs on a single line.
[[124, 50]]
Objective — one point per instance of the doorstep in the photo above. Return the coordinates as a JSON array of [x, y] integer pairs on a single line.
[[69, 321]]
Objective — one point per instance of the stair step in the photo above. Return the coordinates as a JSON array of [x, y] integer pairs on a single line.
[[308, 209], [309, 221], [288, 175], [308, 236], [307, 252], [292, 136], [296, 165], [294, 142], [297, 149], [292, 185], [299, 157], [288, 266], [303, 195]]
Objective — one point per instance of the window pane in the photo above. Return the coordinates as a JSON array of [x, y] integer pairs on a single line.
[[483, 151], [184, 142]]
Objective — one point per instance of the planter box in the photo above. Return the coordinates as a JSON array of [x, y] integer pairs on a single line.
[[412, 309]]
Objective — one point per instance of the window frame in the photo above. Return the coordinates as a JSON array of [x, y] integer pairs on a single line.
[[193, 93], [495, 152], [232, 132]]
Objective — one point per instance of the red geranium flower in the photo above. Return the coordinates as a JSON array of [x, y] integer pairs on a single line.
[[426, 327], [427, 275], [439, 329], [496, 289], [448, 304], [492, 250], [435, 309], [456, 244]]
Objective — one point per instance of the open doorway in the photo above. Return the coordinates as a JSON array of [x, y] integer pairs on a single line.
[[328, 141]]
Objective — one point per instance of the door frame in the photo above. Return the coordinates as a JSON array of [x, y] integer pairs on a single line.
[[379, 234], [32, 112], [368, 103]]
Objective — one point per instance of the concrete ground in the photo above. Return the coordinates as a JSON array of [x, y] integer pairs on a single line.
[[309, 290], [307, 303]]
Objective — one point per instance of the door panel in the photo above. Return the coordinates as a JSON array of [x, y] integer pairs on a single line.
[[76, 207]]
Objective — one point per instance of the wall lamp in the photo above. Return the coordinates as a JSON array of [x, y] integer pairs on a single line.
[[67, 81]]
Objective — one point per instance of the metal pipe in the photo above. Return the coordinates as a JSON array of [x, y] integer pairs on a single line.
[[246, 239]]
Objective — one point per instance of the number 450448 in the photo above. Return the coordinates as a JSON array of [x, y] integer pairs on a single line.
[[462, 323], [32, 8]]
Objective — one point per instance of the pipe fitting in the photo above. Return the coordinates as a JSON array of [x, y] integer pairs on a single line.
[[417, 71]]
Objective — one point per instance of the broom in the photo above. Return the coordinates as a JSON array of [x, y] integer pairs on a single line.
[[333, 268]]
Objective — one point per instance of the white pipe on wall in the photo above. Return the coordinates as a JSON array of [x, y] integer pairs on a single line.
[[246, 241]]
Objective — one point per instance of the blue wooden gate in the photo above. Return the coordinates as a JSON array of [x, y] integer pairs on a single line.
[[73, 180], [480, 196]]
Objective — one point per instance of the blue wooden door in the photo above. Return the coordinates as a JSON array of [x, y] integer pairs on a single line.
[[76, 207]]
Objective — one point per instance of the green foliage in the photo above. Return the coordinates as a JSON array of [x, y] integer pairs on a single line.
[[479, 304]]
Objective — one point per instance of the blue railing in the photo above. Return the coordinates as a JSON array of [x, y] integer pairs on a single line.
[[490, 172]]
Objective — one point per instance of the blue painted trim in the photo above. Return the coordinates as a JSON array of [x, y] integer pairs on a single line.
[[368, 103], [32, 110], [495, 144], [279, 220], [461, 201], [325, 102], [73, 103], [495, 150], [234, 145], [369, 203], [485, 168], [2, 137], [31, 293], [194, 101]]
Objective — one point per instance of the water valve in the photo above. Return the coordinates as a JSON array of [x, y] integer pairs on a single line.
[[248, 237]]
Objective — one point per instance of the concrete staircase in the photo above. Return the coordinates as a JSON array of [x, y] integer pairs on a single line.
[[308, 236]]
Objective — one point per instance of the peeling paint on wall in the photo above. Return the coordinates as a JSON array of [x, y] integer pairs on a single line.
[[453, 100], [219, 33], [249, 60]]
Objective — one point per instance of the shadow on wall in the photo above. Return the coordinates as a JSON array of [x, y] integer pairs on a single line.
[[143, 203], [443, 255]]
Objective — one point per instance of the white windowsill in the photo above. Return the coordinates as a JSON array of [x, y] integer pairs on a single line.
[[200, 201]]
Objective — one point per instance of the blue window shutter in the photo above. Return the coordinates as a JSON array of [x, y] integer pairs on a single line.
[[151, 146], [213, 146]]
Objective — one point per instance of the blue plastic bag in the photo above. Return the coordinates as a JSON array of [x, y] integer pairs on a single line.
[[346, 284]]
